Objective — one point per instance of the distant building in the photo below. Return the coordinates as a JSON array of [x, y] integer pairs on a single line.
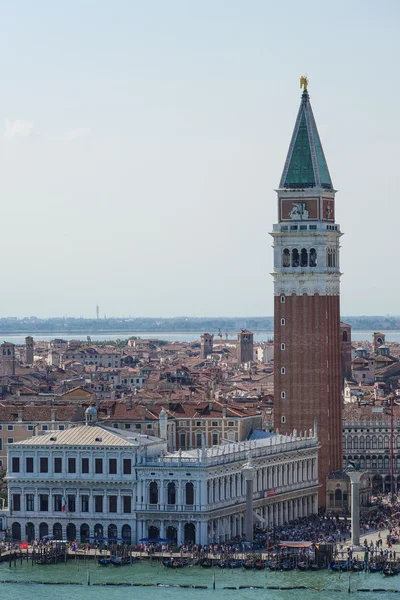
[[206, 345], [345, 350], [7, 353], [245, 347], [29, 350]]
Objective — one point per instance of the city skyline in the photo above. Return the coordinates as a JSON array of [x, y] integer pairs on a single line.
[[140, 155]]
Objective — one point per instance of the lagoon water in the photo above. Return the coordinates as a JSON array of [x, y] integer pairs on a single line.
[[322, 584], [261, 336]]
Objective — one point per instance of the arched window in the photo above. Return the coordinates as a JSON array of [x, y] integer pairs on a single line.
[[189, 489], [57, 531], [182, 439], [386, 441], [386, 462], [85, 533], [43, 530], [344, 336], [71, 532], [362, 442], [153, 493], [295, 257], [112, 533], [16, 531], [374, 463], [286, 258], [328, 257], [303, 258], [313, 257], [349, 442], [380, 442], [368, 444], [171, 493], [126, 534], [98, 530], [374, 442], [355, 442]]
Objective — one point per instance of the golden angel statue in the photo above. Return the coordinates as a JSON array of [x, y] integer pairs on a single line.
[[303, 82]]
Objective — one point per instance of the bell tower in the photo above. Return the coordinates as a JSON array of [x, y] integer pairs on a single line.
[[307, 366]]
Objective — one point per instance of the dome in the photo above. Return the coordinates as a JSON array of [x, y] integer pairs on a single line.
[[91, 410], [91, 415]]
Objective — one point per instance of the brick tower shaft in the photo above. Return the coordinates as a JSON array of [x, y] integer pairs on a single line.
[[307, 365]]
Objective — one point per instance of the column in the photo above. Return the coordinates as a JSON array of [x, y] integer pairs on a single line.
[[180, 533], [162, 529], [355, 477], [201, 533]]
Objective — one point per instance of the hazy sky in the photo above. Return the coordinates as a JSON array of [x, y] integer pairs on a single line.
[[142, 142]]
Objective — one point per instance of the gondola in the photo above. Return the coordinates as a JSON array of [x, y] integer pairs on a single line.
[[302, 566], [248, 564], [235, 564], [206, 563], [104, 562], [390, 571], [259, 565]]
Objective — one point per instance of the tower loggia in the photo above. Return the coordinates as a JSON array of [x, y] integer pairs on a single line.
[[307, 371]]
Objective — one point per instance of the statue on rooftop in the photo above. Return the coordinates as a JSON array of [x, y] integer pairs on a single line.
[[304, 82]]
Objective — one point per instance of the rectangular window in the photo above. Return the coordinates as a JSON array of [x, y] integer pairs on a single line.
[[283, 419], [98, 465], [115, 425], [283, 299], [44, 464], [61, 427], [231, 423], [127, 425], [1, 444], [98, 504], [138, 425], [15, 464], [127, 466], [72, 465], [85, 503], [71, 502], [57, 502], [149, 426], [198, 423], [215, 439], [10, 440], [58, 464], [198, 440], [45, 428], [44, 502], [30, 428], [112, 466], [283, 321], [10, 427], [85, 465], [127, 504], [16, 502], [283, 370], [112, 504], [214, 423], [30, 502], [283, 395], [29, 464]]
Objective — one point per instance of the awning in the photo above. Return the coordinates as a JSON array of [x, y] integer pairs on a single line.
[[296, 544]]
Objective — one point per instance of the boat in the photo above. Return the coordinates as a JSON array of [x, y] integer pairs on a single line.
[[302, 566], [175, 563], [259, 564], [235, 564], [315, 567], [104, 562], [390, 571], [206, 563], [248, 564]]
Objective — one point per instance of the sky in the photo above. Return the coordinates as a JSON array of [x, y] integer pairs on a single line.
[[141, 144]]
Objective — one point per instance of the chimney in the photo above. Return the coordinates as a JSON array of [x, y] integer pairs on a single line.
[[20, 415], [53, 415], [211, 405], [224, 412], [128, 402], [144, 413]]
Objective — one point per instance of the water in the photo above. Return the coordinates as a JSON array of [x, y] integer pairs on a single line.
[[262, 336], [325, 584]]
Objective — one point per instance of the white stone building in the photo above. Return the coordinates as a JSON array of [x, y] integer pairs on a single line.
[[93, 481]]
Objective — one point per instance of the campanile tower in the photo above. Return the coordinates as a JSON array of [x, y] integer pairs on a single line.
[[307, 370]]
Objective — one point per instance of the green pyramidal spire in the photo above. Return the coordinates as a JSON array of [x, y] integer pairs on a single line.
[[305, 165]]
